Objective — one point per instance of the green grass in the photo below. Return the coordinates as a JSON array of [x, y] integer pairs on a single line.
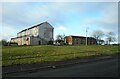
[[31, 54]]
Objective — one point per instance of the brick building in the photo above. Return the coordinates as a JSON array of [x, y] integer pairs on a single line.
[[79, 40]]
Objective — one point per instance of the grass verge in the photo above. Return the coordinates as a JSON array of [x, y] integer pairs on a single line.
[[12, 55]]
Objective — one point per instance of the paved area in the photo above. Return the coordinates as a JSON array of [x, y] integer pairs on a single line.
[[102, 68]]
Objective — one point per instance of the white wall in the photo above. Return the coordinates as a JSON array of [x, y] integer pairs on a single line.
[[42, 31], [34, 41]]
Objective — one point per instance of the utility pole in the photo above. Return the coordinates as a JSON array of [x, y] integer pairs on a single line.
[[86, 35]]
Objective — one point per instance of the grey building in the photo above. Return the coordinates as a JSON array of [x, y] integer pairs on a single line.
[[36, 35]]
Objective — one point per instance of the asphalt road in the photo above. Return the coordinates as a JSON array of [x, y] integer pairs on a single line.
[[102, 68]]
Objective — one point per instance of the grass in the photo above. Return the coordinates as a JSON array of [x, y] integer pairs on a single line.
[[12, 55]]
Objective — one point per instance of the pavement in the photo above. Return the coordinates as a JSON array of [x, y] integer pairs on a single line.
[[106, 65]]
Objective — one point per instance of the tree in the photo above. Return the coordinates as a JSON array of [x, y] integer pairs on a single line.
[[3, 42], [98, 34], [60, 39], [111, 37]]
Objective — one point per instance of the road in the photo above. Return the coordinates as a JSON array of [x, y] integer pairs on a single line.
[[102, 68]]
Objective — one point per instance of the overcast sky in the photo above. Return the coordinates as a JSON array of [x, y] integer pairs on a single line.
[[69, 18]]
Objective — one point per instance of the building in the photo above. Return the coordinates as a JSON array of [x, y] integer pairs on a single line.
[[36, 35], [79, 40]]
